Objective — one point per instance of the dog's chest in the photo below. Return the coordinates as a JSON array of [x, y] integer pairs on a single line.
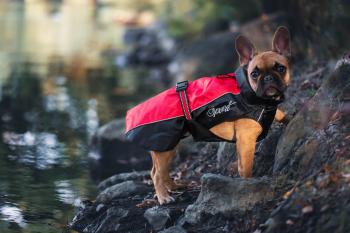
[[227, 108]]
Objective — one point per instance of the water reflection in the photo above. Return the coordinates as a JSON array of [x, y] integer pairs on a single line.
[[61, 78], [39, 150], [12, 214], [56, 95], [92, 117], [65, 193]]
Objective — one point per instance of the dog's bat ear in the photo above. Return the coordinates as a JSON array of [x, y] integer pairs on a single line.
[[281, 42], [245, 50]]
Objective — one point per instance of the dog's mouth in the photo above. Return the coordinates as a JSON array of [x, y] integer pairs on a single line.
[[273, 92]]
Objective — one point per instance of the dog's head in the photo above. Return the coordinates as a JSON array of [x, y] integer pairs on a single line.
[[268, 72]]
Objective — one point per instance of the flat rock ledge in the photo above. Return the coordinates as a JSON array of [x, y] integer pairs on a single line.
[[225, 195], [116, 179], [122, 190]]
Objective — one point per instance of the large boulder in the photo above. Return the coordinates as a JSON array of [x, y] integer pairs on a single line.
[[214, 52], [318, 134], [110, 153], [200, 57], [225, 195], [148, 46]]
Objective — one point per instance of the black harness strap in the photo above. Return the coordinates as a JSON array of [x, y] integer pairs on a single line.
[[181, 90]]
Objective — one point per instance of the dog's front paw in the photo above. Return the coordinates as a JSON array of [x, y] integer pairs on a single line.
[[162, 193], [165, 199]]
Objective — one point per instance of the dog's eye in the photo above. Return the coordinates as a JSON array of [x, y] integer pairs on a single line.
[[255, 73], [280, 69]]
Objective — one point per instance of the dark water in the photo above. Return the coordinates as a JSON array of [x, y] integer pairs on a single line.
[[45, 127]]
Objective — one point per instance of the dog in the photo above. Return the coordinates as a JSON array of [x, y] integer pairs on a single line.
[[237, 107]]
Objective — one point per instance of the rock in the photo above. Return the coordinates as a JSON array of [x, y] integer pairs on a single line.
[[225, 195], [133, 36], [109, 153], [188, 145], [109, 223], [216, 26], [116, 179], [225, 154], [174, 229], [85, 215], [344, 60], [118, 215], [113, 130], [265, 152], [318, 130], [124, 189], [200, 58], [148, 46], [214, 53], [261, 30], [311, 207], [157, 217]]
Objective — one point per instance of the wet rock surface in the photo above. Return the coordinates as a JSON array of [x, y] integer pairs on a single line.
[[124, 189], [116, 179], [133, 208], [174, 229], [110, 153], [225, 195], [157, 217], [301, 175]]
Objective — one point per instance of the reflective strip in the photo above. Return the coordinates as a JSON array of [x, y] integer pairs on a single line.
[[184, 104], [187, 105], [261, 114]]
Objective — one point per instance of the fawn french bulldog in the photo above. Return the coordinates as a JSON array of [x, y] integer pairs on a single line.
[[237, 107]]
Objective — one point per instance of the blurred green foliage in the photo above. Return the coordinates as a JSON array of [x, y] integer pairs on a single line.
[[188, 18], [319, 27]]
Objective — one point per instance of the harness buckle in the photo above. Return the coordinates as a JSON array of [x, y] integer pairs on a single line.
[[181, 86]]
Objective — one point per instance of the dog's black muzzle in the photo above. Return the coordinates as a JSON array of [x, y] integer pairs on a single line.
[[271, 87]]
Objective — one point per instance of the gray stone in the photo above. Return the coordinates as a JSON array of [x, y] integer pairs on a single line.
[[195, 60], [265, 152], [225, 195], [311, 137], [113, 130], [116, 179], [111, 153], [157, 217], [99, 207], [225, 154], [189, 146], [110, 223], [174, 229], [124, 189]]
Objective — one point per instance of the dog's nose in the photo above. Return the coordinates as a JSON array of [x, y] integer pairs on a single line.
[[268, 78]]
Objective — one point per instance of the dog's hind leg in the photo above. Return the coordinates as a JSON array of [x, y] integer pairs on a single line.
[[160, 175]]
